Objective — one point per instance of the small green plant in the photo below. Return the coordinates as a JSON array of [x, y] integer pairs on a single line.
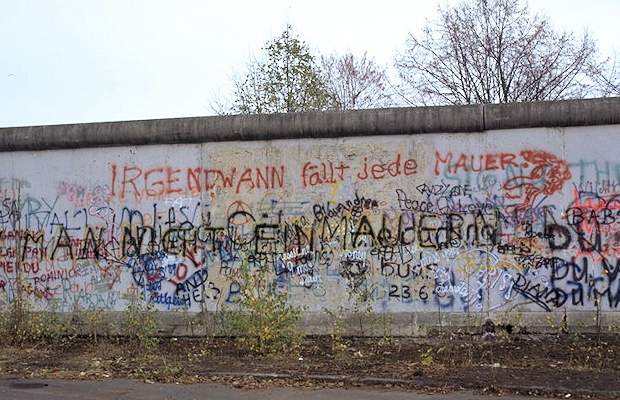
[[20, 323], [264, 322], [552, 324], [140, 324], [338, 343], [383, 323], [52, 326], [362, 309], [94, 319], [426, 359], [193, 325]]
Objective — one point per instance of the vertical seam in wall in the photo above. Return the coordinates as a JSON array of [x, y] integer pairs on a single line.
[[482, 117], [564, 157], [203, 195]]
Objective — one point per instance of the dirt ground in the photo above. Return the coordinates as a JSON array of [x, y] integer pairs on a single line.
[[567, 366]]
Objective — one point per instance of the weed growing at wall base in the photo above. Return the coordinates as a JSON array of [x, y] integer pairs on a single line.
[[140, 324], [20, 324], [338, 327], [94, 319], [264, 322]]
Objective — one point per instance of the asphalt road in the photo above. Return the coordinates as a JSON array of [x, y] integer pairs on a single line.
[[118, 389]]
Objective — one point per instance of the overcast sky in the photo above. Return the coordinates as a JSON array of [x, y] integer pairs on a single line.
[[109, 60]]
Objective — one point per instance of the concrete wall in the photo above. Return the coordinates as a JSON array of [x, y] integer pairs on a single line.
[[436, 228]]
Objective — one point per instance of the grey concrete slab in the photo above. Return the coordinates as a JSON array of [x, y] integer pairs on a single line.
[[387, 121]]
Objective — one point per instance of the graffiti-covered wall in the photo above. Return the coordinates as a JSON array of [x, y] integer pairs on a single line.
[[504, 220]]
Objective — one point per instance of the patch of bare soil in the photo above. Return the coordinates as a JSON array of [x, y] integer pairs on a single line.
[[566, 365]]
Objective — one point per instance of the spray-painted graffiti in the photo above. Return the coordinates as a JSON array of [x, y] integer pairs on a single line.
[[420, 224]]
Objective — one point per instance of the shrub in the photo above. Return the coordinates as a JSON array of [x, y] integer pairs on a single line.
[[264, 322], [140, 324]]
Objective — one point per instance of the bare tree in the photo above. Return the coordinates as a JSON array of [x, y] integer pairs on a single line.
[[607, 78], [496, 51], [355, 82]]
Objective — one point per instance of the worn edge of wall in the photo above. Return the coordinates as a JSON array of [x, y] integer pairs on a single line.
[[387, 121]]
